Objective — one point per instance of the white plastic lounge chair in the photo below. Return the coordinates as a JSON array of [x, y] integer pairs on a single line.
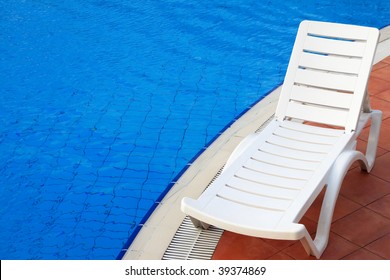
[[273, 177]]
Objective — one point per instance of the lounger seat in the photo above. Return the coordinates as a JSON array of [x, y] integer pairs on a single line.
[[272, 177]]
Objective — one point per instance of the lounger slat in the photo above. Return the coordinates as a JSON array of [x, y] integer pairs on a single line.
[[330, 63], [256, 201], [330, 29], [305, 137], [321, 97], [317, 114], [329, 132], [275, 149], [262, 189], [334, 47], [267, 179], [298, 145], [283, 161], [276, 170], [325, 80]]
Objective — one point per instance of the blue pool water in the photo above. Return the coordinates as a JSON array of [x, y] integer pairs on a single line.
[[105, 102]]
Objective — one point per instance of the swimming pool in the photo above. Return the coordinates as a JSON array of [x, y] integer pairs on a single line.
[[105, 102]]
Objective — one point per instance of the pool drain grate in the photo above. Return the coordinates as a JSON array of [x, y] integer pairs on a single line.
[[190, 243]]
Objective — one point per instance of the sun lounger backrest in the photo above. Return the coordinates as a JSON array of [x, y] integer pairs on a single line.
[[327, 76]]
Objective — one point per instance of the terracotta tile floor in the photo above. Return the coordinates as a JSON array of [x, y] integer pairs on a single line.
[[361, 222]]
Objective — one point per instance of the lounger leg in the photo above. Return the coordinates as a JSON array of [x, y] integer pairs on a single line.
[[336, 176], [199, 224], [376, 119], [309, 246]]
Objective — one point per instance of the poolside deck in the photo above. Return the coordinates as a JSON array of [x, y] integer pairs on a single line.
[[361, 222]]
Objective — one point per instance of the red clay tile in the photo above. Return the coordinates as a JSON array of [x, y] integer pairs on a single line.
[[363, 188], [362, 227], [386, 60], [382, 73], [381, 206], [376, 85], [381, 247], [386, 122], [381, 167], [362, 254], [297, 252], [338, 248], [384, 137], [379, 65], [344, 206], [314, 211], [362, 146], [279, 244], [310, 225], [234, 246], [377, 102], [280, 256], [384, 95]]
